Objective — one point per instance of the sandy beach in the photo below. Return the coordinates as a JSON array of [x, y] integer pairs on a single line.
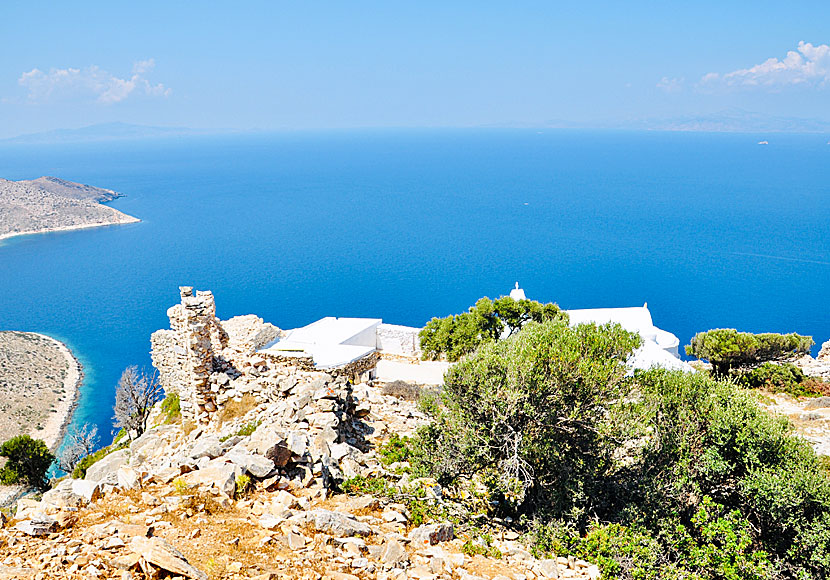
[[130, 220], [55, 427], [39, 384]]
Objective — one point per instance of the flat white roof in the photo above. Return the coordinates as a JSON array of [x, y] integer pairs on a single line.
[[322, 340], [331, 330]]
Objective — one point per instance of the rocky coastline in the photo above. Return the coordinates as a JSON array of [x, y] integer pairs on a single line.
[[49, 204]]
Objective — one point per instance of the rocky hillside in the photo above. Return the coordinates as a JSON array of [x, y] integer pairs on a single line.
[[50, 204], [255, 493]]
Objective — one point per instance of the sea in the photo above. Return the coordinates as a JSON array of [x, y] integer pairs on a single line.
[[711, 230]]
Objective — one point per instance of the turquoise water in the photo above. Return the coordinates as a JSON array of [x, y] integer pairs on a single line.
[[710, 230]]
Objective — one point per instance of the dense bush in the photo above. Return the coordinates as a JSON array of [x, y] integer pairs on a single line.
[[660, 475], [28, 460], [454, 336], [784, 378], [529, 415], [726, 348]]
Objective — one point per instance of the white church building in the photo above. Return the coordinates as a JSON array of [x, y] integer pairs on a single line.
[[336, 342]]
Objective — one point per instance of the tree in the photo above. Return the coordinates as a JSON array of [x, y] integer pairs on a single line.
[[727, 349], [527, 414], [457, 335], [28, 461], [134, 397], [80, 442]]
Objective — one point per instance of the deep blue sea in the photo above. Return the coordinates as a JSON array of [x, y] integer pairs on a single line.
[[712, 230]]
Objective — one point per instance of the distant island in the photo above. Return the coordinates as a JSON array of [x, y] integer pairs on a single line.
[[49, 204]]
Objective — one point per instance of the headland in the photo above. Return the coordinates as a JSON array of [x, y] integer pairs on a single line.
[[49, 204]]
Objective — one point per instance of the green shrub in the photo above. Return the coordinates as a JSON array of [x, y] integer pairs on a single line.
[[362, 485], [395, 450], [244, 431], [28, 460], [782, 378], [171, 408], [527, 416]]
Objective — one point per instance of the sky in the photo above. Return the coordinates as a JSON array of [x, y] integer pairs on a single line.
[[320, 64]]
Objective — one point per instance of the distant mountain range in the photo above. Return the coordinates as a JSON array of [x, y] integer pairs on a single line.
[[726, 121], [109, 132]]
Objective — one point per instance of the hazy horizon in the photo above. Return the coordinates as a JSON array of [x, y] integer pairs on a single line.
[[275, 66]]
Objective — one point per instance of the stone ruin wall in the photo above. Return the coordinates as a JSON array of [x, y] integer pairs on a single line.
[[210, 363]]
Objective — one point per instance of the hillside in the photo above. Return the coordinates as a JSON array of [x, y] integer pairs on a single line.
[[51, 204]]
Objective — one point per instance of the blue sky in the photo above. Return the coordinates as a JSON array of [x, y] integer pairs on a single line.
[[319, 64]]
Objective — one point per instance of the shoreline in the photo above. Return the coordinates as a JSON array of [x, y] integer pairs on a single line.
[[131, 220], [56, 426]]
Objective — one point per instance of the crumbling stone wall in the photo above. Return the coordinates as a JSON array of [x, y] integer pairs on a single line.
[[211, 363]]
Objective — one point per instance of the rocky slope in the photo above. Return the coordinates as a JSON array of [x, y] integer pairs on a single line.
[[51, 204], [177, 503]]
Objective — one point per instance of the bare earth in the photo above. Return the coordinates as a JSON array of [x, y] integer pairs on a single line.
[[39, 381], [49, 204]]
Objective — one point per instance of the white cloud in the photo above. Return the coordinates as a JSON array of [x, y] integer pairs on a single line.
[[809, 65], [91, 82], [671, 85]]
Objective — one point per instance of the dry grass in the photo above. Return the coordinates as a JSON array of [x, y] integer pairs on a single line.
[[236, 409]]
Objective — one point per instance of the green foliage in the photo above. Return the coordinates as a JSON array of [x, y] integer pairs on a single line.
[[243, 486], [527, 415], [395, 450], [28, 460], [662, 475], [480, 543], [171, 408], [727, 349], [362, 485], [244, 431], [457, 335], [784, 378]]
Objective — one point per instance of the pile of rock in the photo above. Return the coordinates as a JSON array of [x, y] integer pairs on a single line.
[[819, 366], [268, 535]]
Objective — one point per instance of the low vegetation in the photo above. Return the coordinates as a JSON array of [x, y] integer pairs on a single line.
[[27, 461], [653, 476]]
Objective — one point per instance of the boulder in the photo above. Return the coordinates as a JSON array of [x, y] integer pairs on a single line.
[[145, 447], [105, 468], [159, 553], [39, 525], [89, 490], [431, 534], [127, 477], [271, 444], [208, 446], [393, 553], [220, 476], [256, 465], [337, 524]]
